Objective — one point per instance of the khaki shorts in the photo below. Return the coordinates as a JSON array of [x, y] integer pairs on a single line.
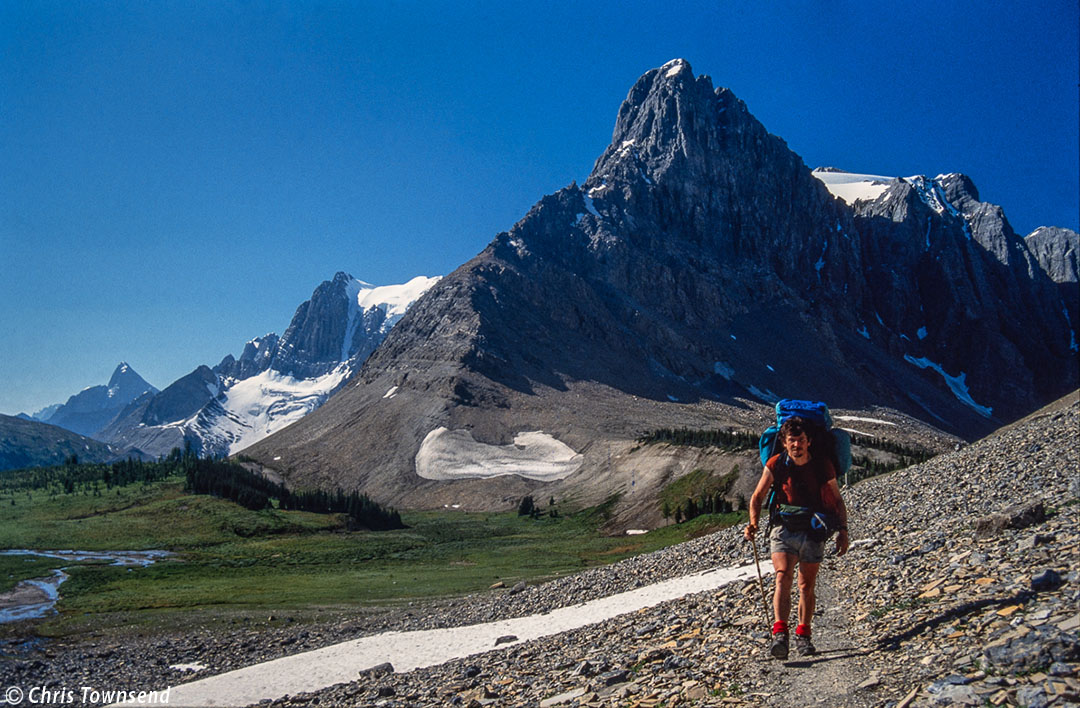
[[797, 544]]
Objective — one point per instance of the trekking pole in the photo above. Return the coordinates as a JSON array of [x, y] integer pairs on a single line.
[[761, 584]]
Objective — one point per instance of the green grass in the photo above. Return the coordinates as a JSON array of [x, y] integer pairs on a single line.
[[694, 485], [231, 560]]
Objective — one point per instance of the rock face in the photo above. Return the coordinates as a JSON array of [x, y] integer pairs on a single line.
[[256, 358], [90, 410], [1058, 252], [699, 270], [314, 342], [952, 283], [276, 381], [143, 425]]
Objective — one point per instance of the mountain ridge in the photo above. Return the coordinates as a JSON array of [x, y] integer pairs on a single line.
[[643, 294], [276, 380]]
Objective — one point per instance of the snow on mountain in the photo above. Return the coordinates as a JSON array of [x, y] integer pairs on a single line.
[[850, 186], [276, 381], [394, 300], [391, 300], [249, 410]]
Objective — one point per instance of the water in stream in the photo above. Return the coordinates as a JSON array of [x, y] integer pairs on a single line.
[[35, 598]]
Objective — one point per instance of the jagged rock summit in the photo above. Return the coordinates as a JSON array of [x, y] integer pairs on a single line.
[[699, 273]]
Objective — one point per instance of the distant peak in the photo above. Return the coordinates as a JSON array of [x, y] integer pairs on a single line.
[[127, 378], [342, 277]]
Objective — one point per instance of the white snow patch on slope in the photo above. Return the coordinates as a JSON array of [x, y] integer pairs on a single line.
[[863, 420], [591, 207], [263, 404], [722, 369], [393, 300], [957, 384], [455, 454], [766, 395], [339, 663], [852, 187]]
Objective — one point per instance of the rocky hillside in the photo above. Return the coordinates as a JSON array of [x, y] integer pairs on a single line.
[[699, 273]]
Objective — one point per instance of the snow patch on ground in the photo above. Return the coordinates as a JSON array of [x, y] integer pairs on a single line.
[[863, 420], [189, 667], [405, 651], [957, 384], [454, 454], [722, 369], [766, 395]]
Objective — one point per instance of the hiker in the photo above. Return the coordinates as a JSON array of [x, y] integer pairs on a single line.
[[808, 481]]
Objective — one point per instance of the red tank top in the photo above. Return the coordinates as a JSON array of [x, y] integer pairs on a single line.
[[804, 485]]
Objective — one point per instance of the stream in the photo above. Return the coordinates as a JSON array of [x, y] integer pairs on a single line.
[[35, 598]]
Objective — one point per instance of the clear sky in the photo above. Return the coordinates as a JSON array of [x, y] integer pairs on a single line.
[[178, 176]]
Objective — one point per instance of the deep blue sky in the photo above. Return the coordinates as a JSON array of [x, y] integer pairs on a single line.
[[178, 176]]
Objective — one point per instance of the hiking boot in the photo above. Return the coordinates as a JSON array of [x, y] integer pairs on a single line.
[[779, 646], [804, 646]]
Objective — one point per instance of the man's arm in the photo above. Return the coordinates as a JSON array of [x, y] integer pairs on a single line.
[[760, 492], [837, 503]]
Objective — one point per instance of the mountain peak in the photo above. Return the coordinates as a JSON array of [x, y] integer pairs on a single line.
[[342, 278], [666, 112], [125, 376], [677, 67]]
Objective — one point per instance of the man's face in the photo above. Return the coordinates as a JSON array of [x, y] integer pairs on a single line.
[[797, 446]]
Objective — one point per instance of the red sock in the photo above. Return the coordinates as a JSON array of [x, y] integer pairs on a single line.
[[779, 628], [803, 630]]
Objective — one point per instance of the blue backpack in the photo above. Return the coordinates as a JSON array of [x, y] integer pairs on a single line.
[[815, 412], [819, 525]]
